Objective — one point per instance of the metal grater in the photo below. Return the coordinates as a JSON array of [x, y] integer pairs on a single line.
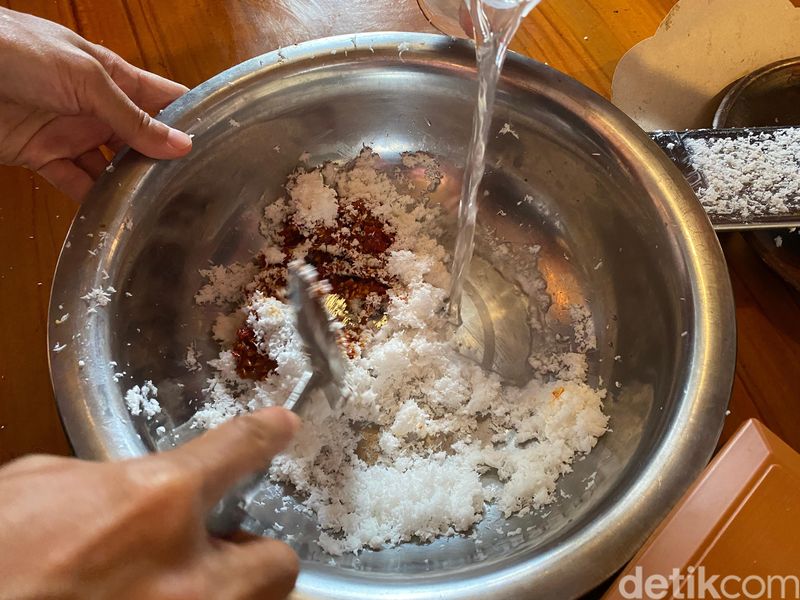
[[673, 144]]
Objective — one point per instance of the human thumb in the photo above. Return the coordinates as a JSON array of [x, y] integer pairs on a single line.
[[130, 123]]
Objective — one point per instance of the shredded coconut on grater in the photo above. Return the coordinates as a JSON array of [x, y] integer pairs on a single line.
[[751, 175]]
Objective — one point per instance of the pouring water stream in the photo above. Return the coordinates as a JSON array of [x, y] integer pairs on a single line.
[[495, 22]]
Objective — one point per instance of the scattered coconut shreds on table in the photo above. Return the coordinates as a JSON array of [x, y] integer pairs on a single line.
[[403, 458]]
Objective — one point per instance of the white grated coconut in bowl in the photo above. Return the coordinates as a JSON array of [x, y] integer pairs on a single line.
[[405, 457]]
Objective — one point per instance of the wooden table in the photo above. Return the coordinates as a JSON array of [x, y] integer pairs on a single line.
[[191, 40]]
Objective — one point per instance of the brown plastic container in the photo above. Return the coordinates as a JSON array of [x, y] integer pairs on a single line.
[[736, 531]]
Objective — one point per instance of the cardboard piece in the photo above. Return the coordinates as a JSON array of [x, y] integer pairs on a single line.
[[675, 79]]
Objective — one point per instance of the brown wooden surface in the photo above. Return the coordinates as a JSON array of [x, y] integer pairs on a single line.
[[191, 40]]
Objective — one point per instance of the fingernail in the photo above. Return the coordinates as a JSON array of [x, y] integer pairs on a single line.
[[178, 139]]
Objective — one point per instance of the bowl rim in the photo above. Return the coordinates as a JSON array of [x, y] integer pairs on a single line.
[[600, 549], [739, 86]]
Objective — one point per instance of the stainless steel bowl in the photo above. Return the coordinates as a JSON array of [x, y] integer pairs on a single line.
[[604, 193]]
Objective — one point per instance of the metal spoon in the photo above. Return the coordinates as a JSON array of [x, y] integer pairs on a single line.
[[320, 334], [320, 338]]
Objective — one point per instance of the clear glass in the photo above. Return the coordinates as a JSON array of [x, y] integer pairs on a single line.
[[447, 16], [451, 17]]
